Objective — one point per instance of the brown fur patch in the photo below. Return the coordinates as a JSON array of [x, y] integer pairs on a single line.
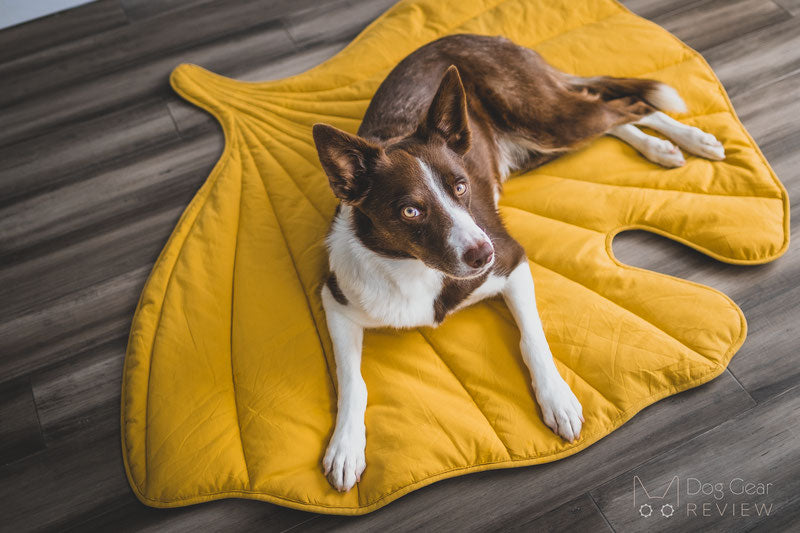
[[454, 291]]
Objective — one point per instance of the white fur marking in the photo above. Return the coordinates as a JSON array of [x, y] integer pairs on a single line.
[[691, 139], [561, 410], [665, 97], [381, 291], [656, 150], [344, 459], [464, 233], [494, 284]]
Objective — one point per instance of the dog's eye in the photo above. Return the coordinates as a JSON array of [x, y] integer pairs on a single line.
[[410, 212], [461, 188]]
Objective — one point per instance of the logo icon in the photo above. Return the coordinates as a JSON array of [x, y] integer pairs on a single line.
[[646, 502]]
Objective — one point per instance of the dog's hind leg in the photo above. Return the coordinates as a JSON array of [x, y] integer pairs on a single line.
[[693, 140], [656, 150]]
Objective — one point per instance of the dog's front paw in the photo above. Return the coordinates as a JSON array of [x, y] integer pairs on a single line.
[[561, 410], [344, 459]]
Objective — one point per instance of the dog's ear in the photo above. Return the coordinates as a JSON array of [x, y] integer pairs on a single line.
[[447, 115], [347, 160]]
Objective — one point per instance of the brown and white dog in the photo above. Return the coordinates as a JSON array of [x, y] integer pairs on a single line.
[[418, 236]]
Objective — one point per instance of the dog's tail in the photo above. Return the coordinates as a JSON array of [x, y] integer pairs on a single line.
[[657, 94]]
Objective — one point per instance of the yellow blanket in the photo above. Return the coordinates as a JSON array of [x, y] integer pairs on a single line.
[[228, 388]]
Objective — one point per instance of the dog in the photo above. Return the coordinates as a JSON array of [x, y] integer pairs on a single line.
[[417, 234]]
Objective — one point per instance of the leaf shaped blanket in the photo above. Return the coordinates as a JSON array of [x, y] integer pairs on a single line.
[[228, 388]]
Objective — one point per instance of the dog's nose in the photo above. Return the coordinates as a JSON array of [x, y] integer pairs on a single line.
[[477, 256]]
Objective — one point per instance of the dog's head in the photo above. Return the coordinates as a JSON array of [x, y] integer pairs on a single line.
[[412, 198]]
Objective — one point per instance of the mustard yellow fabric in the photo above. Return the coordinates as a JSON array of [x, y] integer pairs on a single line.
[[228, 388]]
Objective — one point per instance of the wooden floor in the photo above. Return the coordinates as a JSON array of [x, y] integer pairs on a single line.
[[98, 158]]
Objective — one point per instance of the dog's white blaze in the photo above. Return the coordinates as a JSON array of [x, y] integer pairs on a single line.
[[464, 233], [384, 291]]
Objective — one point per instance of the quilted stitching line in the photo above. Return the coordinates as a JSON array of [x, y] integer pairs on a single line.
[[266, 102], [511, 321], [464, 387], [644, 188], [233, 299], [692, 350], [213, 180], [296, 271], [617, 304], [586, 441], [288, 174]]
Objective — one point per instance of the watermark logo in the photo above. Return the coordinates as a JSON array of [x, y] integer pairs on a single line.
[[694, 497], [649, 503]]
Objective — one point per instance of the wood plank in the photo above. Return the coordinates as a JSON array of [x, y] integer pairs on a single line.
[[66, 155], [104, 277], [792, 6], [478, 501], [333, 21], [78, 401], [141, 42], [149, 79], [769, 114], [165, 177], [144, 9], [85, 279], [72, 271], [304, 59], [759, 58], [580, 514], [653, 8], [703, 25], [19, 426], [221, 515], [80, 397], [59, 28], [80, 321], [759, 446], [769, 363], [319, 37], [49, 489]]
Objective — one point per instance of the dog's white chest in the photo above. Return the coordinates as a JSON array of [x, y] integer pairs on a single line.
[[405, 299], [381, 291], [389, 292]]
